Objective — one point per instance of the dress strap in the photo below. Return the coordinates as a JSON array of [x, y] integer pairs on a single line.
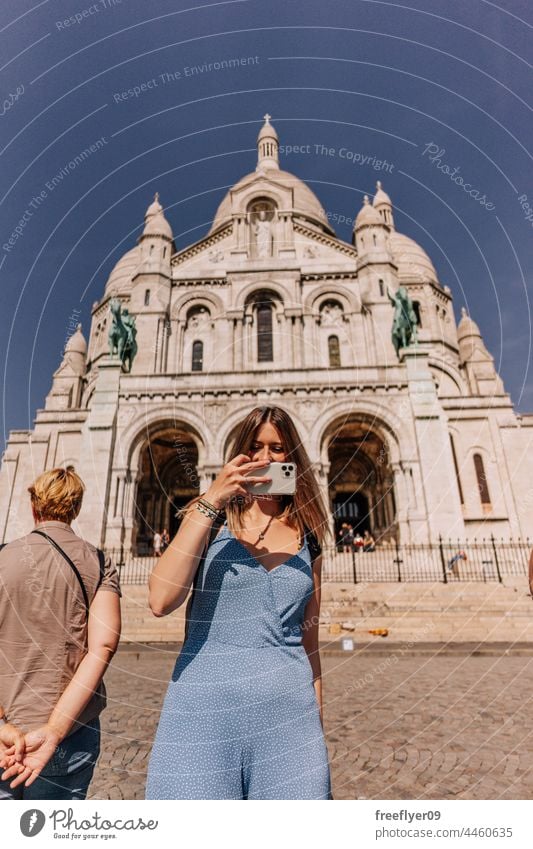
[[315, 549]]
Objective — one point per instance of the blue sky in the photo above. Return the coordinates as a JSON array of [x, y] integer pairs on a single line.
[[382, 80]]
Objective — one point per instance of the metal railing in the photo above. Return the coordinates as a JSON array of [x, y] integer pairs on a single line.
[[446, 561]]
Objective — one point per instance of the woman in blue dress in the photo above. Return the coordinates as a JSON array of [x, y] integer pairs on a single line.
[[242, 716]]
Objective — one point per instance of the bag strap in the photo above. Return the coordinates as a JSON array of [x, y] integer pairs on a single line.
[[101, 564], [212, 534], [73, 567]]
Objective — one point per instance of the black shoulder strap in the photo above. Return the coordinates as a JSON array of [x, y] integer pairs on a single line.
[[315, 549], [101, 563], [212, 534], [71, 564]]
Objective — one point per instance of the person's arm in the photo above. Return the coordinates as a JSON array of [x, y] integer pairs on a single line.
[[11, 740], [310, 632], [172, 576], [531, 572], [174, 571], [103, 633]]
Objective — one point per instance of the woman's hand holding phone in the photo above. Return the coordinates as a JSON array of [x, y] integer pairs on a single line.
[[232, 480]]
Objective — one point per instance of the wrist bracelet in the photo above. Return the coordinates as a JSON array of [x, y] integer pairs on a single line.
[[209, 506], [212, 514]]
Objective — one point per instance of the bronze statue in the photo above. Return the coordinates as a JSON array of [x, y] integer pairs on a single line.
[[405, 321], [122, 334]]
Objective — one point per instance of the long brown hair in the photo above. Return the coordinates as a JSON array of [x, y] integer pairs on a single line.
[[305, 510]]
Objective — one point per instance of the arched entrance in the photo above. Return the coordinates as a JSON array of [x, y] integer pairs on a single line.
[[360, 484], [168, 479]]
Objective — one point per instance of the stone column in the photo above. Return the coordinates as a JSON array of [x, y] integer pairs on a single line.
[[115, 522], [402, 503], [130, 527], [444, 513], [97, 445], [181, 346], [238, 342]]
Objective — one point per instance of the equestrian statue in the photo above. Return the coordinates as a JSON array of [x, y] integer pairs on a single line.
[[122, 334], [404, 324]]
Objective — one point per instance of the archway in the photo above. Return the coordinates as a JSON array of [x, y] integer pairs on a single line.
[[168, 479], [361, 483]]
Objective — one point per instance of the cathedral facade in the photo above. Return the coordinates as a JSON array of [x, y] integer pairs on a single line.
[[270, 307]]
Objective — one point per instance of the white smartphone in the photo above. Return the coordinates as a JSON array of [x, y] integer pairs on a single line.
[[283, 479]]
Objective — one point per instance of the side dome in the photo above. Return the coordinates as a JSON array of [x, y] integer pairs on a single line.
[[155, 223], [367, 215], [305, 202], [76, 343], [467, 327], [413, 262], [119, 281]]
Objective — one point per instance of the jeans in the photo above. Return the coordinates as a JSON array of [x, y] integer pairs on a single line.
[[68, 773]]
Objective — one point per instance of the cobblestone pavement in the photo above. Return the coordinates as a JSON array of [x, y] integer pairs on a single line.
[[398, 725]]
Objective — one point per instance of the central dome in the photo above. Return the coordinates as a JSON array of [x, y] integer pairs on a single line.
[[304, 201], [268, 174]]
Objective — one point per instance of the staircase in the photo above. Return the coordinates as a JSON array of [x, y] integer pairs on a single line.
[[411, 612], [429, 612]]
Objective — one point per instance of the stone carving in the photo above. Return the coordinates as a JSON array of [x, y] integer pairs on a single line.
[[331, 314], [198, 319], [311, 251], [216, 255], [404, 324], [215, 413], [122, 334], [262, 230], [310, 410]]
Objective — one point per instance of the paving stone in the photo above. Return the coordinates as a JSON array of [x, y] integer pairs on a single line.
[[456, 727]]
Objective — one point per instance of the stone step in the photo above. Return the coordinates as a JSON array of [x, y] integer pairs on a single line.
[[411, 613]]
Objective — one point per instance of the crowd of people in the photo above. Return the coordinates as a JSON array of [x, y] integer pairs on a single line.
[[350, 540]]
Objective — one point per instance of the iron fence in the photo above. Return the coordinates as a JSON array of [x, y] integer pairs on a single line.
[[446, 561]]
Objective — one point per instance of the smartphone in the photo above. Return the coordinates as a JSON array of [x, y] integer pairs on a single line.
[[283, 479]]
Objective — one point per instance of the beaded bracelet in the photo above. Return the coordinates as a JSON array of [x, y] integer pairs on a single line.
[[210, 506], [209, 509], [205, 511]]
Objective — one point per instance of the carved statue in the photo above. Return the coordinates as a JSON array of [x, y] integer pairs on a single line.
[[263, 235], [404, 324], [122, 334], [331, 314]]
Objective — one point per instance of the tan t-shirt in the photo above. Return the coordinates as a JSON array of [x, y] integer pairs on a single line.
[[43, 622]]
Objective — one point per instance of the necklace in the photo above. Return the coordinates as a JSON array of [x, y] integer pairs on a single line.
[[265, 529]]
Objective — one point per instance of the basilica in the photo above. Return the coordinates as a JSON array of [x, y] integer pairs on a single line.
[[271, 307]]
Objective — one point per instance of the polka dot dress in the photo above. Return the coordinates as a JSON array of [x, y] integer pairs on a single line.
[[240, 718]]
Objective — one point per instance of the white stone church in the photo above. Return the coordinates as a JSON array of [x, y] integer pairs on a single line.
[[270, 307]]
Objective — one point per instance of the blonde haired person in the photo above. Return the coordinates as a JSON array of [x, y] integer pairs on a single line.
[[242, 713], [59, 628]]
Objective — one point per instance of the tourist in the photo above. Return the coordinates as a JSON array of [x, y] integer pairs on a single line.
[[358, 542], [60, 625], [165, 540], [452, 563], [157, 542], [369, 543], [242, 716], [346, 537]]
